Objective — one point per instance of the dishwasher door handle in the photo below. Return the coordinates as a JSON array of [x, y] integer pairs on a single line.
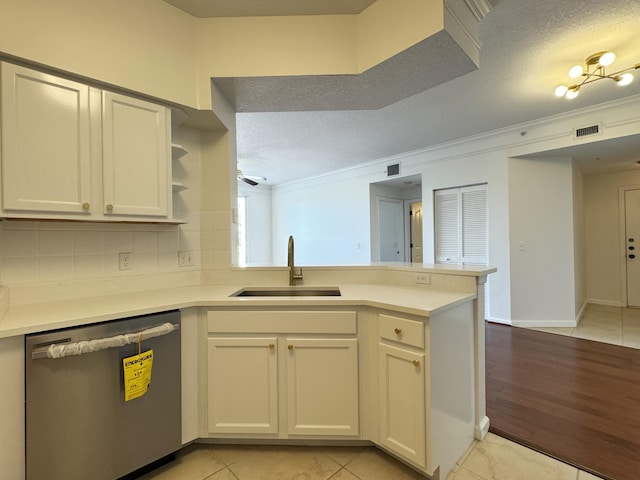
[[54, 350]]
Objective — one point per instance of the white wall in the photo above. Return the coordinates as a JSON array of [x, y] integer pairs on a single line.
[[541, 218], [602, 229], [259, 220], [328, 219]]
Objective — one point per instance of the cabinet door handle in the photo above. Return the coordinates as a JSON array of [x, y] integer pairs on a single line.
[[290, 347], [416, 363], [109, 207], [398, 331], [85, 206], [271, 346]]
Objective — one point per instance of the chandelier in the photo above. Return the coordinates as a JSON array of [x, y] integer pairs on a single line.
[[593, 71]]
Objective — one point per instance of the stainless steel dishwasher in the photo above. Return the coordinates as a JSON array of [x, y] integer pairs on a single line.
[[78, 424]]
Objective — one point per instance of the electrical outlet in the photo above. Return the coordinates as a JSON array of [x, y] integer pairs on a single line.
[[126, 261], [185, 258], [423, 278]]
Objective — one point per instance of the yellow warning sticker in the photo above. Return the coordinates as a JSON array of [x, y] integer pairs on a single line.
[[137, 374]]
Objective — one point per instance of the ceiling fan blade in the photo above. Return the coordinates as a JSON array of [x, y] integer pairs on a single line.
[[249, 181]]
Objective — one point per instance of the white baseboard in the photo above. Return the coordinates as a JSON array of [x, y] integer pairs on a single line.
[[609, 303], [482, 428], [499, 320], [544, 323]]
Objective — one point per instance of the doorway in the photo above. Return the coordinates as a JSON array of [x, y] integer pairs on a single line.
[[393, 230], [631, 234], [414, 236]]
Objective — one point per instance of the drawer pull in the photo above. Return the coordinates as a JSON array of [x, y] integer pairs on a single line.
[[109, 207], [416, 363], [85, 206], [398, 331], [271, 346], [290, 347]]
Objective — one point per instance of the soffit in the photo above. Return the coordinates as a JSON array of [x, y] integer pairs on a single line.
[[253, 8]]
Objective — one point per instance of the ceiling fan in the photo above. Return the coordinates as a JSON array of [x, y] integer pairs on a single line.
[[252, 180]]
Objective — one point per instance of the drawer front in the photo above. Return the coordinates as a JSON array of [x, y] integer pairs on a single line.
[[279, 321], [409, 332]]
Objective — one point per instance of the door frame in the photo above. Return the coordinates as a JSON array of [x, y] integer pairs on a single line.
[[408, 253], [403, 240], [623, 240]]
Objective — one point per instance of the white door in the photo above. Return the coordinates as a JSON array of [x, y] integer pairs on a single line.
[[391, 225], [322, 386], [416, 232], [402, 402], [632, 245], [242, 376], [46, 154], [136, 157]]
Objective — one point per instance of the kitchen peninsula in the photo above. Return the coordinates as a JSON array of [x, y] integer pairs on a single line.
[[405, 361]]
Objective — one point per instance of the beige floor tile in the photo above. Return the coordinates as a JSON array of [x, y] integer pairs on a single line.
[[631, 336], [497, 459], [601, 330], [602, 310], [223, 475], [284, 463], [194, 462], [344, 474], [229, 454], [373, 464], [342, 455], [461, 473]]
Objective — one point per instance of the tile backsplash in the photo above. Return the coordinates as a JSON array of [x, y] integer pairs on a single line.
[[34, 252]]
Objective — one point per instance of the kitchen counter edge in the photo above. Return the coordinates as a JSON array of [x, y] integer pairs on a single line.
[[39, 317]]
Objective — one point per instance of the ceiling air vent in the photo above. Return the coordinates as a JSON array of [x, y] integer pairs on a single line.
[[586, 131], [393, 169]]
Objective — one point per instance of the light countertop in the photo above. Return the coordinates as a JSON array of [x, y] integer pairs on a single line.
[[23, 319]]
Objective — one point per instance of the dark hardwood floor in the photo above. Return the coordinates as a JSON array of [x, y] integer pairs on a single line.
[[573, 399]]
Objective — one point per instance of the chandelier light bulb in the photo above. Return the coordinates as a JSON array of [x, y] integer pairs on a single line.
[[561, 90], [607, 58], [625, 79], [572, 92], [576, 71], [592, 71]]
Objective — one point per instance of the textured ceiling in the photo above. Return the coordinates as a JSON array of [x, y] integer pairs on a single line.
[[527, 49], [255, 8], [425, 65]]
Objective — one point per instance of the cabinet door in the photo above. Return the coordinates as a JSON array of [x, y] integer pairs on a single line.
[[402, 403], [46, 155], [136, 157], [322, 386], [242, 385]]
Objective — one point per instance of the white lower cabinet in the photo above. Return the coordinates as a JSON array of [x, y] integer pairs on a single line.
[[404, 382], [282, 374], [243, 385], [322, 386], [402, 402], [402, 385]]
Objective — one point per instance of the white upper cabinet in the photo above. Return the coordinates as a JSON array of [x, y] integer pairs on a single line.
[[70, 151], [46, 154], [136, 156]]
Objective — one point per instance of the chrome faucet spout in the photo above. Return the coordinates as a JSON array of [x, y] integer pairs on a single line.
[[291, 263]]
